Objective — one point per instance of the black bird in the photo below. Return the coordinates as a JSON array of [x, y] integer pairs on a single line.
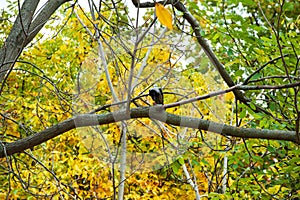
[[157, 95]]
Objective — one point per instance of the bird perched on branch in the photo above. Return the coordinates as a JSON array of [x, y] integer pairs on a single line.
[[157, 95]]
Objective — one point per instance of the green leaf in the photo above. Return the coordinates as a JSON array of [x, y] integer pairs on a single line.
[[204, 161], [248, 2], [289, 6], [239, 72], [243, 114], [252, 106], [258, 116], [175, 167]]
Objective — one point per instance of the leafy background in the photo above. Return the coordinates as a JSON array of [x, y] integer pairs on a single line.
[[44, 89]]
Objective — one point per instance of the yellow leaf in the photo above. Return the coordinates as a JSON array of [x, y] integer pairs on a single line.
[[163, 15]]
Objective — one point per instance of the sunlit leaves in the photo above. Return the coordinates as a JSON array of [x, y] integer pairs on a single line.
[[41, 93]]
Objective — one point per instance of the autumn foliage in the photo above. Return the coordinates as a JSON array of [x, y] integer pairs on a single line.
[[84, 62]]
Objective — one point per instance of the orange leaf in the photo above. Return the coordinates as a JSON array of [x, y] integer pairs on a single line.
[[163, 15]]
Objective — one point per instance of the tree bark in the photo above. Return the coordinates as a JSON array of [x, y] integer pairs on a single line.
[[25, 28], [155, 112]]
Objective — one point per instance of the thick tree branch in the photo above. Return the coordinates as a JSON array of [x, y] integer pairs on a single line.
[[23, 31], [42, 17], [14, 43], [155, 112]]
